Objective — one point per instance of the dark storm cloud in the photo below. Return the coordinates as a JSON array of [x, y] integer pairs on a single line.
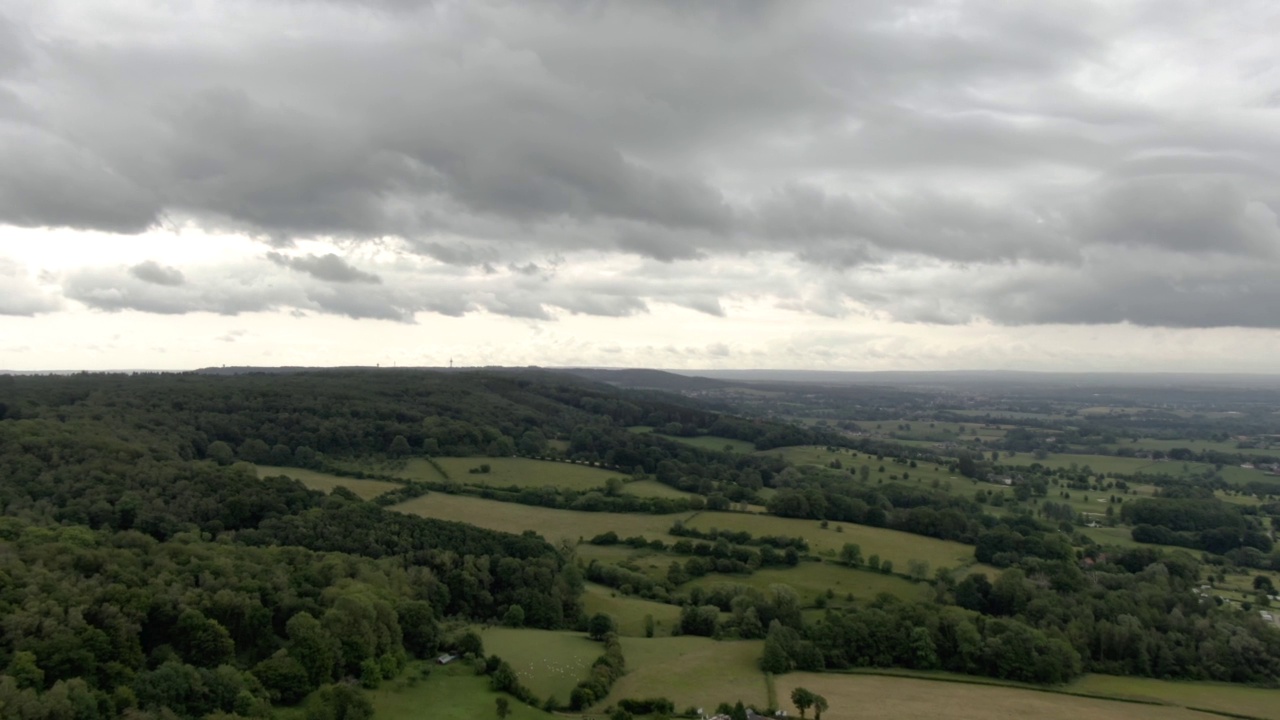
[[1028, 159], [328, 267]]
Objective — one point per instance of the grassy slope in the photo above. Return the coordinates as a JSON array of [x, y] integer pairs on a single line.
[[325, 482], [450, 693], [1239, 699], [548, 663], [629, 612]]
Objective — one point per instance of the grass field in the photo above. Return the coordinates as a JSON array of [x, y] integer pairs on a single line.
[[552, 524], [1238, 699], [1134, 466], [899, 547], [811, 579], [692, 671], [630, 612], [706, 442], [874, 697], [547, 662], [507, 471], [325, 482], [450, 693]]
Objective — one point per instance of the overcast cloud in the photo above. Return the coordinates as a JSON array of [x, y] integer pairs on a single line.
[[977, 163]]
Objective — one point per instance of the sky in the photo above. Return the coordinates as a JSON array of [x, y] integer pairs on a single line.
[[851, 185]]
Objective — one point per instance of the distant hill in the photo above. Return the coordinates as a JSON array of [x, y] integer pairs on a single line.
[[648, 379]]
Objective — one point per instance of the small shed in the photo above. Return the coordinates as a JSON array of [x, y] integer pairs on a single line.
[[446, 659]]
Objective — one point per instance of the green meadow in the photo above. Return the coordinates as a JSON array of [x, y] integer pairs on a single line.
[[549, 663], [630, 612], [324, 482]]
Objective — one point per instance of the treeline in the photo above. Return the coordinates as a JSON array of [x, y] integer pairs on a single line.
[[740, 537], [1202, 523], [1131, 612]]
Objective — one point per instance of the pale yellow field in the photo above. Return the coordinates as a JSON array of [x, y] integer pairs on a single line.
[[876, 697], [325, 482]]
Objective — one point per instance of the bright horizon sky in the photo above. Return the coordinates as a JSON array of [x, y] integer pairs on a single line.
[[1076, 186]]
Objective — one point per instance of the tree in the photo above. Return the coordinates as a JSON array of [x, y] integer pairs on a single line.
[[600, 625], [819, 704], [803, 700], [504, 707], [339, 702], [400, 447], [851, 554], [514, 617], [648, 626], [220, 453]]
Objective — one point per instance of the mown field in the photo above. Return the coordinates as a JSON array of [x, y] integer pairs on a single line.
[[324, 482], [898, 547], [550, 523], [629, 612], [547, 662], [875, 697], [692, 672]]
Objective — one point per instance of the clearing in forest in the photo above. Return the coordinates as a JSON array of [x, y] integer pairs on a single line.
[[630, 612], [508, 471], [549, 663], [324, 482]]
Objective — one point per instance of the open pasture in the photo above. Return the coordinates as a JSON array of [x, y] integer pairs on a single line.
[[630, 612], [872, 697], [898, 547], [692, 671], [324, 482], [453, 692], [509, 471], [547, 662], [1221, 697], [812, 579], [552, 524]]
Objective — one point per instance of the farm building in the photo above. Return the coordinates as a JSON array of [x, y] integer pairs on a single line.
[[446, 659]]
